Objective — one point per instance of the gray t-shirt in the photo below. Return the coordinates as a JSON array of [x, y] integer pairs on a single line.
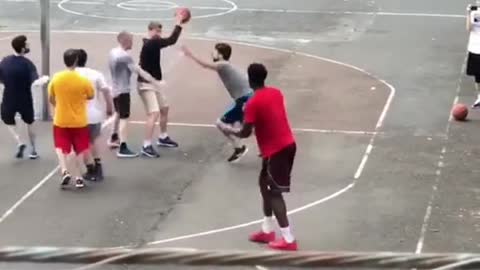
[[120, 62], [235, 81]]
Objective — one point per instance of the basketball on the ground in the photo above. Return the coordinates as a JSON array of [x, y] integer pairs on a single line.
[[185, 13], [460, 112]]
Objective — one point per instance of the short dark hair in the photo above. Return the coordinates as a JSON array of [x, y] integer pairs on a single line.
[[70, 57], [257, 73], [224, 49], [19, 43], [153, 25], [82, 57]]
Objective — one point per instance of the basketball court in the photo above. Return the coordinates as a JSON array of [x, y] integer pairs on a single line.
[[369, 86]]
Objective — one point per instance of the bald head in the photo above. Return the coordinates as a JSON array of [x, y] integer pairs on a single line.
[[125, 39]]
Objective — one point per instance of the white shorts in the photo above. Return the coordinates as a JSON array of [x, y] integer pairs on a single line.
[[153, 97]]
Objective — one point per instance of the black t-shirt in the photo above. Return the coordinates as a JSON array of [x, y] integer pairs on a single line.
[[150, 53], [17, 74]]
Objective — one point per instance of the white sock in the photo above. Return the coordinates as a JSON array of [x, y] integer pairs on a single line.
[[163, 136], [287, 234], [147, 143], [267, 225]]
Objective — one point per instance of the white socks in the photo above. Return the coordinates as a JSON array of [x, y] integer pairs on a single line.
[[163, 136], [287, 235], [267, 225], [147, 143]]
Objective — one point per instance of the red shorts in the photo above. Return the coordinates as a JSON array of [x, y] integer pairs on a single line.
[[66, 138]]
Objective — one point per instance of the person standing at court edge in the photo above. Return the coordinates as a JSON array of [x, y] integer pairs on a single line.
[[69, 92], [153, 97], [18, 75], [266, 113], [473, 59]]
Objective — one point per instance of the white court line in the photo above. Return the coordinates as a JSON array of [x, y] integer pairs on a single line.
[[440, 164], [337, 12], [61, 4], [309, 205], [306, 130], [269, 10], [7, 37], [38, 185]]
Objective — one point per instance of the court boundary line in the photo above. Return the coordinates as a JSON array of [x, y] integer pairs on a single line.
[[301, 130], [358, 172], [60, 6], [265, 10], [440, 166]]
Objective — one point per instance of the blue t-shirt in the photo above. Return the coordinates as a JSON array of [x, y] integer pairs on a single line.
[[17, 74]]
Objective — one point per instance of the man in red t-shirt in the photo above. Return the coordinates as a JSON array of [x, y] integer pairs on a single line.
[[265, 112]]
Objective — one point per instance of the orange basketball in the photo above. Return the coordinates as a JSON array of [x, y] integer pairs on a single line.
[[185, 13], [460, 112]]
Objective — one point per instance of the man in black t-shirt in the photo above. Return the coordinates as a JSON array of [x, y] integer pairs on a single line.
[[153, 97], [18, 74]]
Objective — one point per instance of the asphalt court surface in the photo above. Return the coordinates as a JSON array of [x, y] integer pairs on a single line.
[[415, 192]]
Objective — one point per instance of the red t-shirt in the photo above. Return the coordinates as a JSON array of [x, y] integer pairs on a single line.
[[266, 112]]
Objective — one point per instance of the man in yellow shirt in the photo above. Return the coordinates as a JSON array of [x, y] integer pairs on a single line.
[[69, 93]]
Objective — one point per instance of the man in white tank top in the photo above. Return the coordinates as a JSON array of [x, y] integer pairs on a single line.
[[473, 59], [96, 114]]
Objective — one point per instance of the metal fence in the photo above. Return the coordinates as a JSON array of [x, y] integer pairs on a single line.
[[94, 257]]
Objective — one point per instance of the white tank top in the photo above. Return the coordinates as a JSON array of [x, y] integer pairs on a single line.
[[474, 39]]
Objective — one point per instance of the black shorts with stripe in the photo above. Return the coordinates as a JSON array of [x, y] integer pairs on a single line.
[[276, 170]]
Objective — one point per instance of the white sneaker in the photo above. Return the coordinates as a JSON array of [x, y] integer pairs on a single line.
[[476, 104]]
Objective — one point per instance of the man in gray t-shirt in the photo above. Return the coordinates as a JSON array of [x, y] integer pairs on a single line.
[[122, 66], [237, 85]]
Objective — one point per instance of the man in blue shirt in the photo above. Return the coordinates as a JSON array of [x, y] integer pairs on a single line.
[[18, 74]]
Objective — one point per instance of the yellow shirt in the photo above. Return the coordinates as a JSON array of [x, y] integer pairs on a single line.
[[71, 92]]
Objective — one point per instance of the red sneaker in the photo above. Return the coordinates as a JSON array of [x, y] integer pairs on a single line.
[[261, 237], [283, 245]]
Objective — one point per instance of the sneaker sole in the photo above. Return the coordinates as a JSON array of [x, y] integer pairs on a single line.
[[145, 154], [79, 186], [33, 157], [167, 145], [127, 156], [239, 157]]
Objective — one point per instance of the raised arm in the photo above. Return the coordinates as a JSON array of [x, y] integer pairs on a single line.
[[172, 39]]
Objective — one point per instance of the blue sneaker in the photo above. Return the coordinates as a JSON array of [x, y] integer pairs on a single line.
[[148, 151], [167, 142]]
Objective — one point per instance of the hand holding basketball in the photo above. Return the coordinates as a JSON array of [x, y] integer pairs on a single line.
[[183, 15]]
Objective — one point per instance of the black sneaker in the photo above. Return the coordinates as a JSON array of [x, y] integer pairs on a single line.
[[66, 177], [150, 152], [79, 183], [238, 154], [124, 152], [90, 176], [20, 150], [99, 171], [33, 155], [167, 142]]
